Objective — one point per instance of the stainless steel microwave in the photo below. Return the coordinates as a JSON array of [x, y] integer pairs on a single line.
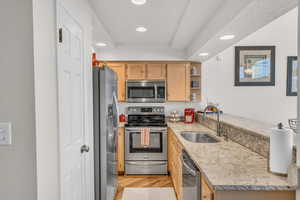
[[146, 91]]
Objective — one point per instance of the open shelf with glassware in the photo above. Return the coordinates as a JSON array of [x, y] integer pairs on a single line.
[[195, 82]]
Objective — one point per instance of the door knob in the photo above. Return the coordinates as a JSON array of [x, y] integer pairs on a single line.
[[84, 149]]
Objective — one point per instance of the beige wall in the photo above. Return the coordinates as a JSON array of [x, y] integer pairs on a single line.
[[18, 161]]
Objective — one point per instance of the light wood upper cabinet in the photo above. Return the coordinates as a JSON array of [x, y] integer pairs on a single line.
[[136, 71], [156, 71], [178, 82], [177, 75], [119, 68]]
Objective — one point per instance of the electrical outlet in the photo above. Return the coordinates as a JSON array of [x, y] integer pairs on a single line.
[[5, 133]]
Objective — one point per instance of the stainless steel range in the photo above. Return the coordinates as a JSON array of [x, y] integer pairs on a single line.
[[150, 159]]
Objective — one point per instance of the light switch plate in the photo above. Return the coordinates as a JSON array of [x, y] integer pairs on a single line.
[[5, 133]]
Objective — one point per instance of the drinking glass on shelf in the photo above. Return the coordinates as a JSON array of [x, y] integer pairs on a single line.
[[194, 70], [194, 96]]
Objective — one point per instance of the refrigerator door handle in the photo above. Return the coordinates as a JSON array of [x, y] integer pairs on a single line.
[[115, 110]]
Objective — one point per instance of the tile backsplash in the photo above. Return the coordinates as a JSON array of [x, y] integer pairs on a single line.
[[169, 106]]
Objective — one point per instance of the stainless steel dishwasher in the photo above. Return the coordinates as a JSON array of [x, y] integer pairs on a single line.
[[190, 178]]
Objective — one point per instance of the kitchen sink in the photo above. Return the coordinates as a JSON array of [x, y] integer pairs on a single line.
[[198, 137]]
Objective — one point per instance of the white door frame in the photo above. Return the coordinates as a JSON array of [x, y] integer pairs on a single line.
[[87, 109], [297, 138]]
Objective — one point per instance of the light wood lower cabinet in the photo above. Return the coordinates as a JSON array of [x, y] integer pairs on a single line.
[[178, 82], [206, 192], [175, 168], [121, 151], [174, 163], [255, 195]]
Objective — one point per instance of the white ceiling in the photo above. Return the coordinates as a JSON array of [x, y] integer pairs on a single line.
[[121, 17], [190, 26]]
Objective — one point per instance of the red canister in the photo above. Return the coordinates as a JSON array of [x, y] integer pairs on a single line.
[[189, 115], [122, 118]]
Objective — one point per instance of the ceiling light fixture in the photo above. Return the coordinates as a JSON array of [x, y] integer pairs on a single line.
[[227, 37], [203, 54], [101, 44], [139, 2], [141, 29]]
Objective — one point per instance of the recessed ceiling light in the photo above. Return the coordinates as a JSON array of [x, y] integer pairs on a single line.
[[101, 44], [203, 54], [141, 29], [139, 2], [227, 37]]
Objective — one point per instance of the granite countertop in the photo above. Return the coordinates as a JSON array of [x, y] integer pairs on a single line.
[[228, 165], [255, 126]]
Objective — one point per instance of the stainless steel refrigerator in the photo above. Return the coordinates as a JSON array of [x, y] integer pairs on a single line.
[[105, 132]]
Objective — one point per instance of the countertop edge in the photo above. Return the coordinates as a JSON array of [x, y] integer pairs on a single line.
[[252, 188]]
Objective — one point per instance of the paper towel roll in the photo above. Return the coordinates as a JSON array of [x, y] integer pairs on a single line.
[[281, 150]]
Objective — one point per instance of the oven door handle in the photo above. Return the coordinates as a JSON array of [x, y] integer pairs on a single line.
[[132, 129], [164, 131], [145, 163], [151, 129]]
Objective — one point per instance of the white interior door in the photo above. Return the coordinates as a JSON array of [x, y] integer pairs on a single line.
[[71, 107]]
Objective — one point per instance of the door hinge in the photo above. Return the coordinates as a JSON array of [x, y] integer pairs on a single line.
[[60, 35]]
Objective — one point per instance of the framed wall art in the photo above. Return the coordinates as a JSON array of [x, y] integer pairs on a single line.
[[292, 76], [254, 66]]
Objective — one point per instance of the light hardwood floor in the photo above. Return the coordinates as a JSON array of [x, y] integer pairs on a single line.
[[141, 181]]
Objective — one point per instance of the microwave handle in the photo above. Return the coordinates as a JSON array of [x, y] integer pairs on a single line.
[[155, 90]]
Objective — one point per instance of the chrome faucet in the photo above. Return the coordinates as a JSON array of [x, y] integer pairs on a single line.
[[218, 117]]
